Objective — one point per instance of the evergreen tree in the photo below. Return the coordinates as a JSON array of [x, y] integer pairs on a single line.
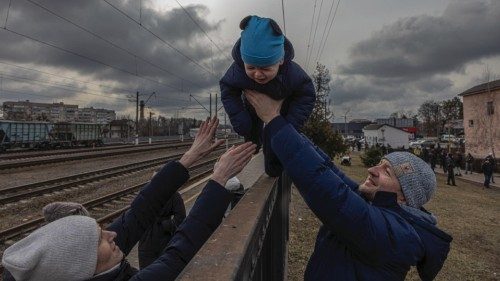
[[318, 127]]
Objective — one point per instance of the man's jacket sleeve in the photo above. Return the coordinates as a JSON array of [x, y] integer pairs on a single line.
[[203, 219], [340, 209], [327, 161], [147, 205]]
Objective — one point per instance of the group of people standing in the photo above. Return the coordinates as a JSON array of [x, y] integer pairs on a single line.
[[452, 163]]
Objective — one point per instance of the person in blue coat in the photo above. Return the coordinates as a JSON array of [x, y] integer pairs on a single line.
[[374, 231], [77, 248], [263, 61]]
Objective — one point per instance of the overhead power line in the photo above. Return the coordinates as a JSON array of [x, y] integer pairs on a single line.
[[60, 86], [310, 33], [315, 30], [283, 11], [89, 58], [329, 29], [65, 77], [39, 95], [135, 56], [324, 29], [201, 28], [159, 38]]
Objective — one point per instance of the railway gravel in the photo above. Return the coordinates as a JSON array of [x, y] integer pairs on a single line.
[[15, 177], [24, 210]]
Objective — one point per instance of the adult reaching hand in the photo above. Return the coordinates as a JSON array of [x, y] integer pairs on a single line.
[[232, 162], [204, 143], [265, 107]]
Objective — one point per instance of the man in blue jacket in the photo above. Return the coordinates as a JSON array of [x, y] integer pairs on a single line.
[[76, 248], [374, 231]]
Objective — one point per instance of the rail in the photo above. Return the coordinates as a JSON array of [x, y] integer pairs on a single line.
[[252, 241]]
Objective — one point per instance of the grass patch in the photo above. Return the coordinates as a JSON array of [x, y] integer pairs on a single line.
[[466, 211]]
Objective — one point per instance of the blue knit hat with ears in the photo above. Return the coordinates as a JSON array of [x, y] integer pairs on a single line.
[[262, 42], [417, 180]]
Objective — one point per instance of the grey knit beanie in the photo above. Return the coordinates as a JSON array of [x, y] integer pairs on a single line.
[[57, 210], [417, 180], [63, 250]]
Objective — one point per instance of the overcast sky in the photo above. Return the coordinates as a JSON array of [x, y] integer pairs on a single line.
[[384, 55]]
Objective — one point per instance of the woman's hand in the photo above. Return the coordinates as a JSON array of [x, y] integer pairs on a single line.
[[203, 143], [265, 107], [232, 162]]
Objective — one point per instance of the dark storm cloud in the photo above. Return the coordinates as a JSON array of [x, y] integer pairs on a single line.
[[410, 60], [426, 45], [159, 62]]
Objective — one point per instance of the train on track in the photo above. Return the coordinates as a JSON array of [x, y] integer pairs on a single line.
[[47, 135]]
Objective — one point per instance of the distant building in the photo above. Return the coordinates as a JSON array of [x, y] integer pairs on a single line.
[[352, 128], [384, 134], [482, 119], [406, 124], [55, 112], [121, 129]]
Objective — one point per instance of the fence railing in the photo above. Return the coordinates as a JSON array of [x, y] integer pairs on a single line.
[[252, 241]]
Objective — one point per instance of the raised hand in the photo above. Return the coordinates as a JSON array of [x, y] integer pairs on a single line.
[[232, 162], [203, 143], [265, 107]]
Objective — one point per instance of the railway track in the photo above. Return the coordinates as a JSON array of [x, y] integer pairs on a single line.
[[99, 207], [21, 163], [16, 193], [16, 155]]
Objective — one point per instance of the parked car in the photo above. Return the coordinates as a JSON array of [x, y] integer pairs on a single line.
[[448, 138]]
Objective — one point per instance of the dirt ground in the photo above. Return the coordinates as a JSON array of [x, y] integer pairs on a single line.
[[467, 212]]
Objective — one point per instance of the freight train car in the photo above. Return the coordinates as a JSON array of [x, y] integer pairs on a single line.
[[78, 134], [24, 134]]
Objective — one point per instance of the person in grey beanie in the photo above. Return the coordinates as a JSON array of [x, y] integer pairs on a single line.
[[376, 230], [77, 248], [56, 210]]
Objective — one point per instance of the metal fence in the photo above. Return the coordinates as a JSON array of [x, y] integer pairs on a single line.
[[252, 241]]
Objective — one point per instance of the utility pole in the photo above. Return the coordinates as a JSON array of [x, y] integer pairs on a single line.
[[150, 125], [210, 105], [345, 121], [137, 118]]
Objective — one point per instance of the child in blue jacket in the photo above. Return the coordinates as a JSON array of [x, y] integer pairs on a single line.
[[263, 62]]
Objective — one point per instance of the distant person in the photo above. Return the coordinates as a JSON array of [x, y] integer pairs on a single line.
[[433, 159], [493, 162], [376, 230], [487, 168], [450, 165], [469, 160], [263, 61], [443, 161], [425, 155], [458, 163], [57, 210], [77, 248]]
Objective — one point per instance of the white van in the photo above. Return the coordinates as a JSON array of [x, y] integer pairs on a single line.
[[448, 138]]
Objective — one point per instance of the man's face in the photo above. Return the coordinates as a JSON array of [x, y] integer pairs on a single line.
[[262, 75], [108, 254], [381, 178]]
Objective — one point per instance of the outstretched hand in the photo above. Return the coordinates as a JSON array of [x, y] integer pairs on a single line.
[[265, 107], [203, 143], [232, 162]]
